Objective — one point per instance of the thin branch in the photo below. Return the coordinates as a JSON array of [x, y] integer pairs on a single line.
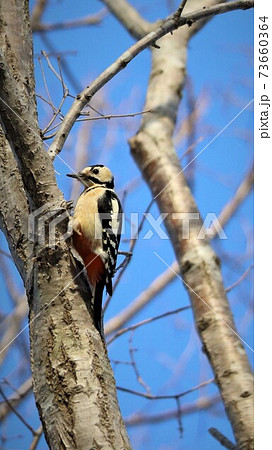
[[180, 427], [94, 19], [166, 397], [113, 116], [50, 102], [134, 365], [65, 66], [145, 322], [36, 438], [143, 299], [12, 324], [37, 12], [190, 408], [240, 279], [180, 8], [168, 25], [241, 193], [65, 92], [102, 116], [225, 442], [10, 405], [16, 398]]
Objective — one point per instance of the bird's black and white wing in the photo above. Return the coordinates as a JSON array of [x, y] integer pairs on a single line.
[[110, 212]]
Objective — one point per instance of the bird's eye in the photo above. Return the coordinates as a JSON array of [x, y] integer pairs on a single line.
[[96, 171]]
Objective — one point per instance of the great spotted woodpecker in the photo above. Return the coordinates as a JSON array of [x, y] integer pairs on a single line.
[[97, 224]]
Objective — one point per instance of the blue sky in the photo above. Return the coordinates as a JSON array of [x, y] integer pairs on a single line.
[[169, 356]]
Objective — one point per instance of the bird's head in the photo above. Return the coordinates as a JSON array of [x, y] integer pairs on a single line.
[[94, 175]]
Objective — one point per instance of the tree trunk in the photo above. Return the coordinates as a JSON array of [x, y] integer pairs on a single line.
[[73, 381], [153, 150]]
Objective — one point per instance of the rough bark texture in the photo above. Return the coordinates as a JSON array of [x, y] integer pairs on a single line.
[[73, 381], [153, 150]]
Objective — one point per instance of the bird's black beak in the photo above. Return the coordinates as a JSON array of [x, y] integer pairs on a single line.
[[73, 175]]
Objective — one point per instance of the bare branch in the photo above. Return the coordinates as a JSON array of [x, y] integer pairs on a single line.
[[112, 116], [180, 8], [36, 438], [168, 25], [15, 398], [145, 322], [94, 19], [10, 405], [65, 92], [225, 442], [241, 193], [190, 408], [165, 397], [144, 298], [134, 365], [240, 279], [65, 66], [12, 323], [37, 12]]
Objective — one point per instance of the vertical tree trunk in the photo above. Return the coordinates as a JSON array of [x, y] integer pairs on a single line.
[[153, 150], [73, 381]]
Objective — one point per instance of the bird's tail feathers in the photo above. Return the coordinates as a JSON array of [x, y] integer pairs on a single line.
[[97, 306]]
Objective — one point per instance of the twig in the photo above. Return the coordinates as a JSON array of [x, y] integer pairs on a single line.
[[51, 67], [113, 116], [127, 255], [36, 438], [190, 408], [12, 324], [165, 397], [142, 300], [16, 412], [65, 92], [65, 66], [134, 365], [180, 427], [94, 19], [168, 25], [50, 102], [37, 12], [241, 193], [225, 442], [102, 116], [180, 9], [16, 398], [240, 279], [145, 322]]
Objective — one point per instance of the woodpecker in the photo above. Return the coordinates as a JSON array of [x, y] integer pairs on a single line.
[[97, 224]]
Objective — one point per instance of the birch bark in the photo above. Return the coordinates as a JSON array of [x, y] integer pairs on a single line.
[[153, 150], [73, 381]]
